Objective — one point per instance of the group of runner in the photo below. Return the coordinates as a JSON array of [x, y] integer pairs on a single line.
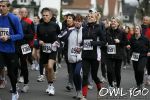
[[84, 42]]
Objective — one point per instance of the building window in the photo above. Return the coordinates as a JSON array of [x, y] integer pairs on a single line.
[[64, 3], [23, 1]]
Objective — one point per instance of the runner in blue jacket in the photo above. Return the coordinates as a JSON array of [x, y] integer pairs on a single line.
[[7, 29], [10, 31]]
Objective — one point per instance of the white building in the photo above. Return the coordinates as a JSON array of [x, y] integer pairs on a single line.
[[30, 4]]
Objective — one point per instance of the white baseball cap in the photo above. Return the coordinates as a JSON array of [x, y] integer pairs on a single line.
[[92, 10]]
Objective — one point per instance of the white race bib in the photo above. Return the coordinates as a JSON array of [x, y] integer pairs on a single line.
[[47, 48], [135, 56], [87, 44], [25, 49], [74, 51], [111, 49], [4, 31]]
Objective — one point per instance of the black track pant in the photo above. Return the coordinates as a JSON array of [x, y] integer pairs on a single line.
[[11, 61], [148, 66], [94, 66], [114, 71], [138, 67]]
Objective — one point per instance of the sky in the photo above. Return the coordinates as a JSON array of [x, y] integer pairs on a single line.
[[132, 2]]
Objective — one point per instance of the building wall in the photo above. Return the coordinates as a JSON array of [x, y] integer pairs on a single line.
[[56, 4]]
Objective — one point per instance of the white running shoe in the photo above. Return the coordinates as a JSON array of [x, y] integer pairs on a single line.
[[25, 88], [58, 65], [90, 86], [103, 79], [15, 96], [41, 78], [50, 90], [44, 71], [21, 79], [83, 98], [3, 84], [147, 80], [37, 67], [33, 67], [110, 89], [145, 72], [79, 95]]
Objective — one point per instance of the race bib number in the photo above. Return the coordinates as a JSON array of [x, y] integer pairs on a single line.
[[4, 31], [47, 48], [135, 56], [25, 49], [74, 51], [111, 49], [87, 44]]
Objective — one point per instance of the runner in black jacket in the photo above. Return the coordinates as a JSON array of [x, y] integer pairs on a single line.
[[92, 38], [23, 49], [116, 40], [140, 48], [47, 33]]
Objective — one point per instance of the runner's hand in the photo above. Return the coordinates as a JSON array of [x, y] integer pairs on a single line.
[[117, 40], [128, 46], [56, 44], [41, 42], [5, 38], [148, 54]]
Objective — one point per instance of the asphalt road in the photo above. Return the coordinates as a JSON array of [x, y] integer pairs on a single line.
[[37, 90]]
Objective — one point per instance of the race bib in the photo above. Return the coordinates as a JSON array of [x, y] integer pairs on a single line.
[[111, 49], [47, 48], [74, 51], [4, 31], [135, 56], [87, 44], [25, 49]]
